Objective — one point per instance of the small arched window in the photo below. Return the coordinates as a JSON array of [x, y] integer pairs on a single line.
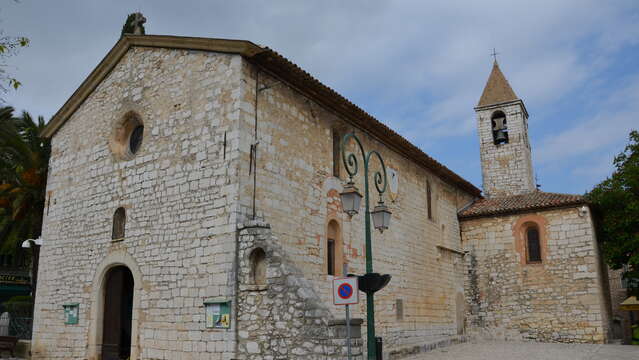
[[258, 266], [333, 248], [119, 222], [533, 244], [499, 128]]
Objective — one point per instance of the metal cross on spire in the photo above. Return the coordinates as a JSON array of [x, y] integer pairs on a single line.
[[494, 54]]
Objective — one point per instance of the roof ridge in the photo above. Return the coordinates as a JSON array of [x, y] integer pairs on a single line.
[[557, 193], [532, 193], [510, 204]]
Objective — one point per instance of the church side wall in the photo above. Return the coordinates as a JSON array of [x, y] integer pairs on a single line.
[[298, 196], [559, 300], [281, 316], [179, 195]]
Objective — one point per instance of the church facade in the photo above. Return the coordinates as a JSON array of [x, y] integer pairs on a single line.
[[193, 212]]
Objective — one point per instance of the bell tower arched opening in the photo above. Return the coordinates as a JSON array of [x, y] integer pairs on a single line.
[[499, 127]]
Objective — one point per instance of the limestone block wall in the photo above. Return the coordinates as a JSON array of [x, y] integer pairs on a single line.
[[298, 195], [283, 318], [506, 168], [559, 300], [179, 196]]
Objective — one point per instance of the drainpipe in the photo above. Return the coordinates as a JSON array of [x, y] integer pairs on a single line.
[[236, 290]]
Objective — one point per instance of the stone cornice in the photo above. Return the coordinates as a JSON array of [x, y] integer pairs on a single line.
[[502, 104]]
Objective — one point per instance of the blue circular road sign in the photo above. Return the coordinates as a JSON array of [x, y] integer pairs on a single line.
[[345, 291]]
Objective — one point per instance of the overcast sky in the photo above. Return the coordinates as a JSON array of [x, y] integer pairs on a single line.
[[418, 66]]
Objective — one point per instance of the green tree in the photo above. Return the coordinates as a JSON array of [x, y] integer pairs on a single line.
[[616, 202], [9, 47], [24, 158]]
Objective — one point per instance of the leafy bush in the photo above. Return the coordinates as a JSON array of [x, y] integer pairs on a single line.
[[19, 306]]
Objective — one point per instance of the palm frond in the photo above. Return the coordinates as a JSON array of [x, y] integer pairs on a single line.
[[24, 157]]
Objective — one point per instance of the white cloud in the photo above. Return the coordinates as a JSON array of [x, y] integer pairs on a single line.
[[617, 116], [419, 66]]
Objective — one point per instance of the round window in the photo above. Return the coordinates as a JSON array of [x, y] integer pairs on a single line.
[[127, 136]]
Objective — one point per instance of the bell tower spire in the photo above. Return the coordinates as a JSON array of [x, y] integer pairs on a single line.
[[502, 121]]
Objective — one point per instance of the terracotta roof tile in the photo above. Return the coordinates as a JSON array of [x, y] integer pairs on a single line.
[[497, 89], [519, 203]]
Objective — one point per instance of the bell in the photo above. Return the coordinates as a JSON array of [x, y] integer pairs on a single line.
[[500, 124], [501, 137]]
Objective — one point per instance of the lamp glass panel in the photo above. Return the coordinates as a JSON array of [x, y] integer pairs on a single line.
[[381, 218], [351, 201], [357, 200], [387, 217], [347, 201], [377, 219]]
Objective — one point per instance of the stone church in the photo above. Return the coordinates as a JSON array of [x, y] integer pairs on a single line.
[[193, 212]]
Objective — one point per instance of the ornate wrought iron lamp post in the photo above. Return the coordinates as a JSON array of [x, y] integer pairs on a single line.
[[351, 200]]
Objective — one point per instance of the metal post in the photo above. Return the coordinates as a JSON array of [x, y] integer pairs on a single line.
[[350, 164], [370, 300], [348, 319], [348, 332]]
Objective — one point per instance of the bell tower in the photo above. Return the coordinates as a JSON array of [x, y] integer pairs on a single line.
[[502, 122]]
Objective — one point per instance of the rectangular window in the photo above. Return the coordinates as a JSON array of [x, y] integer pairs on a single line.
[[534, 247], [336, 152], [429, 198], [399, 309], [330, 258]]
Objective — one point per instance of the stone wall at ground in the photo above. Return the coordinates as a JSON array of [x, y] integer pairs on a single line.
[[283, 318], [179, 196], [298, 195], [560, 299]]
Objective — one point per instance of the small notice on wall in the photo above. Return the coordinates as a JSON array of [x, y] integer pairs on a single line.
[[218, 315], [71, 313]]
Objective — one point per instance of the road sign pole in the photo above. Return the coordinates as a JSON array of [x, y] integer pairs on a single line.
[[348, 332], [345, 292], [348, 321]]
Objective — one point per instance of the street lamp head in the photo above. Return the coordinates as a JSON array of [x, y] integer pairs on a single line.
[[29, 242], [351, 199], [381, 217]]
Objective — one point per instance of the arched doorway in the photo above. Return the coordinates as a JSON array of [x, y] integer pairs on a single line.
[[118, 314]]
